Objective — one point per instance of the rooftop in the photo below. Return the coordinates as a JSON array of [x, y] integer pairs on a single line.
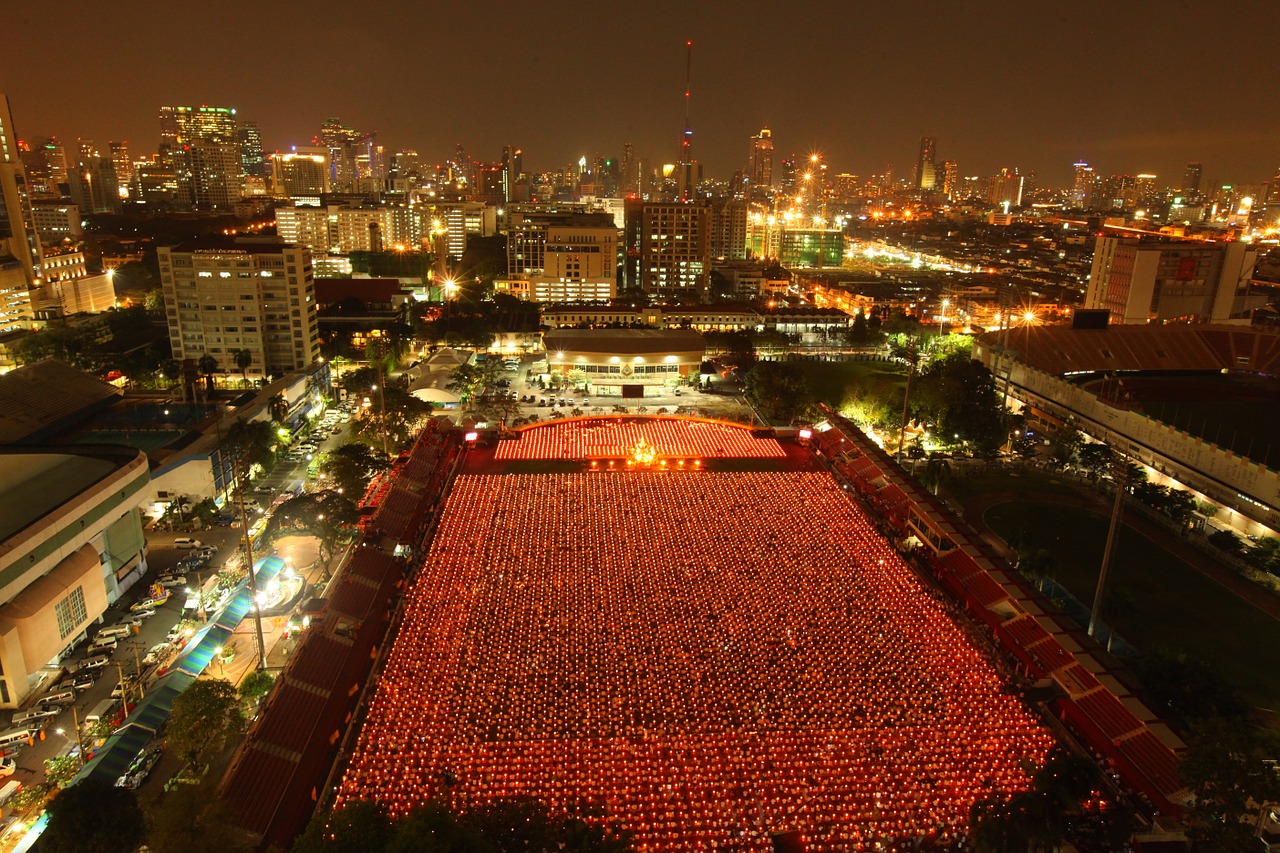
[[47, 396], [33, 483], [623, 341]]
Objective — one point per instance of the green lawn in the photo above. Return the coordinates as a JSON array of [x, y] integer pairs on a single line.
[[997, 481], [1161, 602], [828, 380]]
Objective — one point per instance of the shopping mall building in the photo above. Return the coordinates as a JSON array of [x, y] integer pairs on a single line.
[[71, 542]]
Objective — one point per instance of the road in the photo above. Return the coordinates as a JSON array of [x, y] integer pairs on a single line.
[[60, 731]]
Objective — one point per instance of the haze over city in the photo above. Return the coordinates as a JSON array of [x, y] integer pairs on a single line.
[[1129, 87]]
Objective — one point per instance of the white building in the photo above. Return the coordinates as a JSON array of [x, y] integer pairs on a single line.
[[255, 296]]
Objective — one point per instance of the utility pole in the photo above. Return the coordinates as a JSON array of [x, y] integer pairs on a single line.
[[248, 550], [75, 717], [912, 358], [124, 688], [1120, 471]]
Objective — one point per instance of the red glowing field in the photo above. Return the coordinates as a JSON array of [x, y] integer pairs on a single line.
[[706, 658], [584, 439]]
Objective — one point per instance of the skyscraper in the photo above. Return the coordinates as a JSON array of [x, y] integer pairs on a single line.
[[1082, 184], [1191, 181], [761, 173], [252, 162], [950, 179], [202, 145], [120, 160], [18, 239], [300, 172], [926, 170]]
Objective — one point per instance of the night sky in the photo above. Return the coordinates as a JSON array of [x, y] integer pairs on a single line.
[[1130, 86]]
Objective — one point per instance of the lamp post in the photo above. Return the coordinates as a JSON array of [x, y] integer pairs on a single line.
[[253, 579], [75, 717]]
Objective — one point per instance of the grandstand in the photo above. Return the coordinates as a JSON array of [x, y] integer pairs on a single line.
[[705, 657]]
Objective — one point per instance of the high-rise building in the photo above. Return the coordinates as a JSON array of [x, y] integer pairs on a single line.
[[668, 249], [94, 187], [202, 146], [562, 256], [252, 295], [950, 179], [1082, 184], [926, 170], [302, 172], [1005, 188], [1191, 181], [252, 161], [761, 170], [19, 242], [729, 229], [88, 151], [121, 162], [1153, 279]]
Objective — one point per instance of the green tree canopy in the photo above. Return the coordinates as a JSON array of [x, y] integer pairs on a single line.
[[204, 715], [326, 515], [778, 390], [352, 466], [93, 817]]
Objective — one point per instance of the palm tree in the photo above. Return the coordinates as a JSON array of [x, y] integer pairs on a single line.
[[243, 358], [278, 407], [936, 472], [207, 365]]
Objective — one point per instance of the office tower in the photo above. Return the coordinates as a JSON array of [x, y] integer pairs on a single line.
[[87, 151], [121, 162], [56, 221], [94, 187], [256, 296], [1005, 188], [1144, 192], [406, 164], [761, 170], [202, 146], [19, 242], [301, 172], [1082, 184], [950, 179], [729, 229], [562, 256], [344, 145], [926, 171], [252, 161], [668, 249], [1151, 279], [1191, 181], [155, 186]]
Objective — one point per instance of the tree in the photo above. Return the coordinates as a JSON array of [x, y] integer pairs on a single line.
[[61, 769], [155, 300], [936, 472], [360, 380], [193, 819], [250, 443], [1225, 770], [278, 409], [93, 817], [171, 369], [358, 827], [204, 715], [778, 390], [1095, 459], [397, 412], [326, 515], [958, 396], [352, 466], [207, 365], [243, 359], [1064, 444], [256, 684], [434, 829]]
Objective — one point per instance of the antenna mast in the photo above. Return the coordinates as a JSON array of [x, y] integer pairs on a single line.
[[686, 161]]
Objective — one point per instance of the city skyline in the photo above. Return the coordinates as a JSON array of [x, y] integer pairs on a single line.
[[1036, 89]]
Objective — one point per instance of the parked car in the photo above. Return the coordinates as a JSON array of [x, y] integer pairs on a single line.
[[140, 769], [156, 653], [138, 617], [187, 543], [173, 581], [7, 767], [95, 662], [83, 681]]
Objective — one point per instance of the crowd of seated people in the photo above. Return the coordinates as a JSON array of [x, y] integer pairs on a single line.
[[616, 438], [705, 660]]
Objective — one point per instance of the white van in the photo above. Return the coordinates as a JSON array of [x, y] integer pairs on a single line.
[[103, 645], [105, 708], [18, 735], [22, 718], [187, 542], [58, 696], [96, 662], [116, 632]]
